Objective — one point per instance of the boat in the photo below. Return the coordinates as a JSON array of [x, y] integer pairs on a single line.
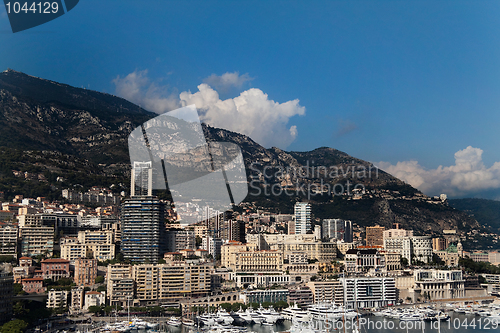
[[223, 317], [173, 321], [187, 322], [256, 318]]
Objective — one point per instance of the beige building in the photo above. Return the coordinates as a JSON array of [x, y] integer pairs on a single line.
[[288, 244], [439, 284], [37, 240], [229, 250], [326, 291], [375, 236], [95, 244], [77, 295], [120, 284], [392, 260], [170, 282], [258, 261], [85, 272]]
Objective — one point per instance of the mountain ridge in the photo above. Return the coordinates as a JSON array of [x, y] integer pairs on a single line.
[[91, 129]]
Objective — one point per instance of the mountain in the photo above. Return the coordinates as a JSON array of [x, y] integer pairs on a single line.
[[54, 136], [486, 212]]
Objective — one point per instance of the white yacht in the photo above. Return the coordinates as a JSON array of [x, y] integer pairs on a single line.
[[269, 318], [294, 312], [173, 321], [223, 317]]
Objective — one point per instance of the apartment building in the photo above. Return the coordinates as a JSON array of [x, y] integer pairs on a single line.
[[66, 223], [94, 298], [142, 228], [85, 272], [337, 229], [57, 299], [302, 212], [37, 240], [415, 247], [302, 296], [327, 291], [171, 282], [179, 239], [120, 284], [95, 244], [229, 250], [375, 236], [8, 239], [368, 292], [77, 298]]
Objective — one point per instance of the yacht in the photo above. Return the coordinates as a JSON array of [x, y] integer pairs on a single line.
[[269, 318], [256, 318], [223, 317], [294, 313], [174, 322], [244, 316]]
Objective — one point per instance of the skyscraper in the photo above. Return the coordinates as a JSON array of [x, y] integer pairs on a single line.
[[142, 228], [141, 179], [302, 217]]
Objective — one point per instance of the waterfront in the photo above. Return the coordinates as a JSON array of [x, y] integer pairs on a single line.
[[458, 322]]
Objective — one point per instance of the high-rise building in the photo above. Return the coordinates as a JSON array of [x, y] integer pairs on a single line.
[[179, 239], [142, 179], [337, 229], [375, 236], [143, 229], [302, 217]]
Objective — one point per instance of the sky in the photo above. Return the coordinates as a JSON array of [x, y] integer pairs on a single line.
[[412, 86]]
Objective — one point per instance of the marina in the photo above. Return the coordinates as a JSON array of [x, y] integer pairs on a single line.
[[321, 317]]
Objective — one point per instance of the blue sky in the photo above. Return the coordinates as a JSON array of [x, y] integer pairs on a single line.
[[414, 82]]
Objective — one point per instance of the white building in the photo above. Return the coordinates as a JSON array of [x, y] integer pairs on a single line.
[[57, 298], [212, 245], [302, 211], [366, 292], [415, 247], [439, 284], [94, 298]]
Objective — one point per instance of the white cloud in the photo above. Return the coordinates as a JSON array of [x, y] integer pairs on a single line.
[[469, 175], [138, 88], [251, 113], [226, 81]]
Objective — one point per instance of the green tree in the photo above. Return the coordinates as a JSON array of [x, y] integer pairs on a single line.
[[95, 309], [14, 326], [101, 288], [99, 279]]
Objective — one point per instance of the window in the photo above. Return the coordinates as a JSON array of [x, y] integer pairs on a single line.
[[369, 291]]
